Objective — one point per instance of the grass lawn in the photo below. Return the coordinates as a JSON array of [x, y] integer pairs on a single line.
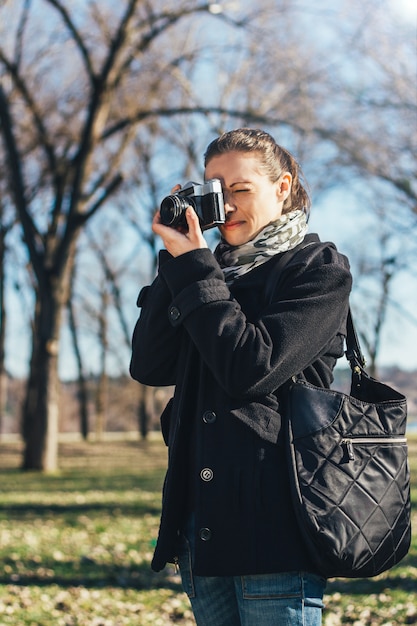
[[75, 547]]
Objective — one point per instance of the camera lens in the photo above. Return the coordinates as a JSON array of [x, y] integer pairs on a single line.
[[172, 210]]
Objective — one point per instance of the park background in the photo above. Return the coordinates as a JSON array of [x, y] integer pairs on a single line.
[[103, 107]]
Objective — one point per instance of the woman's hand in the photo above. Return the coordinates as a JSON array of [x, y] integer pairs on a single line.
[[177, 242]]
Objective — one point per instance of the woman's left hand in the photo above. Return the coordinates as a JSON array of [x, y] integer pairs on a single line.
[[177, 242]]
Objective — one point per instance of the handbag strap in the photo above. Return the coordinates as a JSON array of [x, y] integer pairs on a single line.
[[353, 349]]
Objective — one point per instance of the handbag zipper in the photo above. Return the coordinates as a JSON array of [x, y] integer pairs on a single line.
[[350, 442]]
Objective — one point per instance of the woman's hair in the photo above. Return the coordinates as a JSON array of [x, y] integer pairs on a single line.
[[274, 161]]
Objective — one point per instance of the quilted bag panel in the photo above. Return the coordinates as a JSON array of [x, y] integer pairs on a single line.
[[350, 477]]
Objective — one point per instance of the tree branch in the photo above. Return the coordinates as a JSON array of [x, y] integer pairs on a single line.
[[112, 277], [20, 32], [140, 116], [76, 37], [32, 236], [97, 102], [12, 68], [108, 191]]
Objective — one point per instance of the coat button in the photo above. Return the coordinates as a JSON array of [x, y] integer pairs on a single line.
[[209, 417], [206, 474], [205, 534], [174, 313]]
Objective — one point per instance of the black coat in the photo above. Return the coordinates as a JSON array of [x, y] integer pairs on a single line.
[[229, 353]]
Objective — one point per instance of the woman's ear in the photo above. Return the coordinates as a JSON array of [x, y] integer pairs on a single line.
[[284, 186]]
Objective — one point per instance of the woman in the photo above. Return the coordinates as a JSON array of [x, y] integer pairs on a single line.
[[207, 327]]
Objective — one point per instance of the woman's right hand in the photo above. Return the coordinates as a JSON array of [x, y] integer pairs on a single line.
[[176, 241]]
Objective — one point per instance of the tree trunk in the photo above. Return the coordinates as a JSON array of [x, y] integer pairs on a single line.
[[145, 409], [102, 385], [3, 379], [82, 383], [41, 405], [101, 404], [143, 418], [83, 400]]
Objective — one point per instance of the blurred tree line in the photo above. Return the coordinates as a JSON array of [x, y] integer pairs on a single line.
[[104, 106]]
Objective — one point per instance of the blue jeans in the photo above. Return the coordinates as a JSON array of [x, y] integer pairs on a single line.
[[285, 599]]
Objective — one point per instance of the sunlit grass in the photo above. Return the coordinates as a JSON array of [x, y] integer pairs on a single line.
[[75, 547]]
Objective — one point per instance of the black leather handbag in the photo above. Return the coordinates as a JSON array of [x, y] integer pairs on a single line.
[[349, 472], [348, 463]]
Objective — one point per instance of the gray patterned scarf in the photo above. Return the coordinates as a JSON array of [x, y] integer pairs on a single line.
[[278, 236]]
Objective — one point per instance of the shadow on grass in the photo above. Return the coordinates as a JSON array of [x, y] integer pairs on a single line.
[[394, 579], [101, 483], [18, 512], [86, 573], [80, 481]]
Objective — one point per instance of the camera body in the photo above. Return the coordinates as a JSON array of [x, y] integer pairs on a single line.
[[206, 199]]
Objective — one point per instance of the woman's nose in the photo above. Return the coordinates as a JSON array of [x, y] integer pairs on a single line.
[[228, 202]]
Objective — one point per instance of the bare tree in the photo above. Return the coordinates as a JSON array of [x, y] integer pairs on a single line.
[[81, 375], [5, 226], [97, 78], [69, 158], [382, 271], [378, 263]]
